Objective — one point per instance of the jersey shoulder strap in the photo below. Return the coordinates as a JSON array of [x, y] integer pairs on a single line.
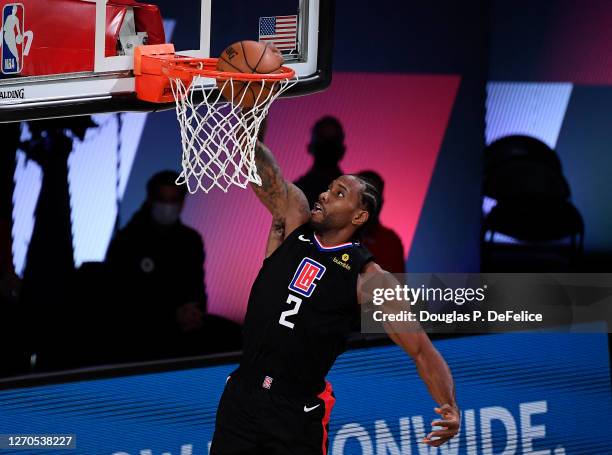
[[363, 256]]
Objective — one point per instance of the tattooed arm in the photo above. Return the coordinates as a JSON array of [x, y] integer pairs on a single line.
[[285, 201]]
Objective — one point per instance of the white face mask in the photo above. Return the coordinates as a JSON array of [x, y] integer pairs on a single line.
[[165, 214]]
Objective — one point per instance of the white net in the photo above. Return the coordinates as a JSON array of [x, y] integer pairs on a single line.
[[218, 136]]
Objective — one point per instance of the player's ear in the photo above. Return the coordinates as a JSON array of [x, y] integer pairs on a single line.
[[361, 217]]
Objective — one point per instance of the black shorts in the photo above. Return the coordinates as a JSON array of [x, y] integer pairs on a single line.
[[254, 418]]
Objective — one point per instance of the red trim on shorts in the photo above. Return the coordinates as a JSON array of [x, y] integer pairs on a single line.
[[328, 402]]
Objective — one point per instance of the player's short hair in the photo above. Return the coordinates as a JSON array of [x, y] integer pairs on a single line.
[[371, 201], [164, 178], [374, 178]]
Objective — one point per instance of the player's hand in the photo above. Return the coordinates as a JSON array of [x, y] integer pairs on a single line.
[[450, 426]]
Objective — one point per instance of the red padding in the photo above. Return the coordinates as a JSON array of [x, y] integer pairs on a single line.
[[328, 400], [64, 33]]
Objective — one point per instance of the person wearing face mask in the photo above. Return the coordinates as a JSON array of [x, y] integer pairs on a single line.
[[327, 149], [159, 265]]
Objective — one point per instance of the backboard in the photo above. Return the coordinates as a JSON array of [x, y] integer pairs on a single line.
[[75, 57]]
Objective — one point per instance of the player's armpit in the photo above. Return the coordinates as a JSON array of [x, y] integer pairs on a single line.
[[275, 236], [296, 214], [369, 276], [298, 210]]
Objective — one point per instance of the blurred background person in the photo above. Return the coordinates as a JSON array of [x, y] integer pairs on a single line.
[[327, 149], [51, 319], [383, 242], [159, 264]]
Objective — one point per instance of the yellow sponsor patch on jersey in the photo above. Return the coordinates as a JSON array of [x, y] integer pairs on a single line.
[[341, 264]]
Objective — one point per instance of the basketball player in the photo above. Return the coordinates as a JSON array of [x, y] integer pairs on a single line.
[[298, 317]]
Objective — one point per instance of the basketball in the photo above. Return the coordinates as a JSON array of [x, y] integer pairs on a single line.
[[248, 57]]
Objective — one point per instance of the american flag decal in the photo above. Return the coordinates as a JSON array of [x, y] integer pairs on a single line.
[[280, 31]]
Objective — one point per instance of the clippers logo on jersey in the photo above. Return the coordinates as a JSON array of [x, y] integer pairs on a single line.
[[16, 41], [307, 272]]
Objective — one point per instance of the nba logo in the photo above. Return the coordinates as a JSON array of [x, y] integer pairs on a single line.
[[307, 273], [13, 41]]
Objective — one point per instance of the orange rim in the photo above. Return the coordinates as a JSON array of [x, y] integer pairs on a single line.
[[180, 66], [156, 65]]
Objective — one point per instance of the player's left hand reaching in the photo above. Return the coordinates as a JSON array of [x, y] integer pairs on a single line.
[[449, 424]]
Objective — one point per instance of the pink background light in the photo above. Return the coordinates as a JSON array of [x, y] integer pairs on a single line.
[[394, 124]]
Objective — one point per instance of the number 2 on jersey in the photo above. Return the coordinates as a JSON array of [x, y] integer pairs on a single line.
[[285, 314]]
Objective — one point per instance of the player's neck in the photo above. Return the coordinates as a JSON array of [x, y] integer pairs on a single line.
[[333, 238]]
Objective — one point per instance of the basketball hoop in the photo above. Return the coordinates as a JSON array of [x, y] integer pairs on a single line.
[[218, 136]]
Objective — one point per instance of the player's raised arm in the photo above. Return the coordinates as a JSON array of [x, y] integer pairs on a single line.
[[431, 366], [285, 201], [274, 189]]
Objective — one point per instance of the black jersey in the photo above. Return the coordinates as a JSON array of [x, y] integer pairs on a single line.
[[301, 308]]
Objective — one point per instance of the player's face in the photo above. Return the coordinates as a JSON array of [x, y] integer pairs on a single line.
[[339, 206]]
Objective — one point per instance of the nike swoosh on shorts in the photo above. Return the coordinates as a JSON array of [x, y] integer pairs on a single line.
[[307, 409]]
